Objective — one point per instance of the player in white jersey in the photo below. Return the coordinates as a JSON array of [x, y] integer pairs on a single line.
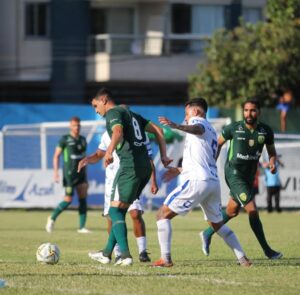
[[136, 209], [200, 183]]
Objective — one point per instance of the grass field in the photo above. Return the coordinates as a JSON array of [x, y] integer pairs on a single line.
[[21, 232]]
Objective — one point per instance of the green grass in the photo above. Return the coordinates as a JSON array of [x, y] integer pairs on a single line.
[[21, 232]]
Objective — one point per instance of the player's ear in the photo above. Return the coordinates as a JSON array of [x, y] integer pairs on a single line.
[[105, 100]]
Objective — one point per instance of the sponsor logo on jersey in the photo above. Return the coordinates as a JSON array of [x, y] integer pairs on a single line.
[[76, 157], [140, 143], [262, 129], [195, 121], [251, 142], [79, 146], [261, 139], [241, 138], [248, 157], [70, 142], [243, 197]]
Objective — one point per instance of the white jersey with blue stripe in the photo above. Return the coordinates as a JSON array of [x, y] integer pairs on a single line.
[[199, 152], [111, 169]]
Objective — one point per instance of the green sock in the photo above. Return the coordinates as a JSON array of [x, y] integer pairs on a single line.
[[119, 229], [82, 212], [209, 231], [258, 230], [111, 242], [60, 208]]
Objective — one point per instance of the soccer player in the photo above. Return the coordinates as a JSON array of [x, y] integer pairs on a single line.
[[200, 183], [247, 139], [73, 146], [135, 209], [127, 132]]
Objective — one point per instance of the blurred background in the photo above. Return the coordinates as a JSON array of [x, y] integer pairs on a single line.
[[153, 55]]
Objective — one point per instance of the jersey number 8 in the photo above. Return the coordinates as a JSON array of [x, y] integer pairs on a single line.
[[137, 130]]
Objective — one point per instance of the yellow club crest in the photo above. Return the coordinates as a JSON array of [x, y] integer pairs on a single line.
[[251, 142], [243, 197], [68, 189], [261, 139]]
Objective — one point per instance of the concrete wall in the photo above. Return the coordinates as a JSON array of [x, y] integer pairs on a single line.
[[102, 67], [34, 54], [8, 41], [21, 57]]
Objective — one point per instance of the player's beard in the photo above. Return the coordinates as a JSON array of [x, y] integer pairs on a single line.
[[251, 120]]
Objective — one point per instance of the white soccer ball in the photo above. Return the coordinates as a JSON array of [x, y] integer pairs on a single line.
[[48, 253]]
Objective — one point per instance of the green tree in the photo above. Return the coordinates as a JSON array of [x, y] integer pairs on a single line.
[[253, 59]]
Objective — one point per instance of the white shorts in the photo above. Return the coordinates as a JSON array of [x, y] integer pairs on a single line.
[[191, 193], [136, 205]]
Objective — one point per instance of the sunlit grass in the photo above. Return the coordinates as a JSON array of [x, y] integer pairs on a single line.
[[21, 232]]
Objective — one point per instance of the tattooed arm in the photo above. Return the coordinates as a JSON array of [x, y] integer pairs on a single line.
[[193, 129]]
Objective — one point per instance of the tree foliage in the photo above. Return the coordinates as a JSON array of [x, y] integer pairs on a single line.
[[253, 59]]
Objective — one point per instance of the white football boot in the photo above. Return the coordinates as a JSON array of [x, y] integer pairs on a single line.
[[49, 225], [98, 256]]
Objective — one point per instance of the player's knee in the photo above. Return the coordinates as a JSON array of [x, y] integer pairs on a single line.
[[68, 199], [164, 213], [232, 214], [136, 215], [159, 214], [253, 214]]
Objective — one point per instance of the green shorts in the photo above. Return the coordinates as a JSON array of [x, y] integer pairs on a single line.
[[70, 182], [241, 190], [129, 183]]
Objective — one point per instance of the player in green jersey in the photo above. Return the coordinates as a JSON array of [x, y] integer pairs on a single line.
[[73, 147], [247, 139], [127, 132]]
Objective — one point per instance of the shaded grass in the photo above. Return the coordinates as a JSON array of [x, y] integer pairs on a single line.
[[21, 232]]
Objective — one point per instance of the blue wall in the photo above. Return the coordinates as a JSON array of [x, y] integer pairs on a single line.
[[38, 113]]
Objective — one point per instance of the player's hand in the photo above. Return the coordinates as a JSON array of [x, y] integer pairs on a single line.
[[166, 161], [154, 188], [272, 168], [171, 173], [82, 163], [56, 177], [108, 159], [166, 122]]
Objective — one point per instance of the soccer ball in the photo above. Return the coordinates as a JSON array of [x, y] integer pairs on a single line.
[[48, 253]]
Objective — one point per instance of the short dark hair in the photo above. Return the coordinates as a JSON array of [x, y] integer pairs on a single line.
[[75, 119], [199, 102], [253, 101], [104, 91]]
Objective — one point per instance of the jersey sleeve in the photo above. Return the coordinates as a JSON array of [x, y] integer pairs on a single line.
[[113, 118], [149, 148], [197, 121], [62, 143], [269, 137], [227, 132]]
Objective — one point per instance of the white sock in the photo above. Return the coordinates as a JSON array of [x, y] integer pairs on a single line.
[[231, 240], [117, 250], [141, 243], [164, 232]]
